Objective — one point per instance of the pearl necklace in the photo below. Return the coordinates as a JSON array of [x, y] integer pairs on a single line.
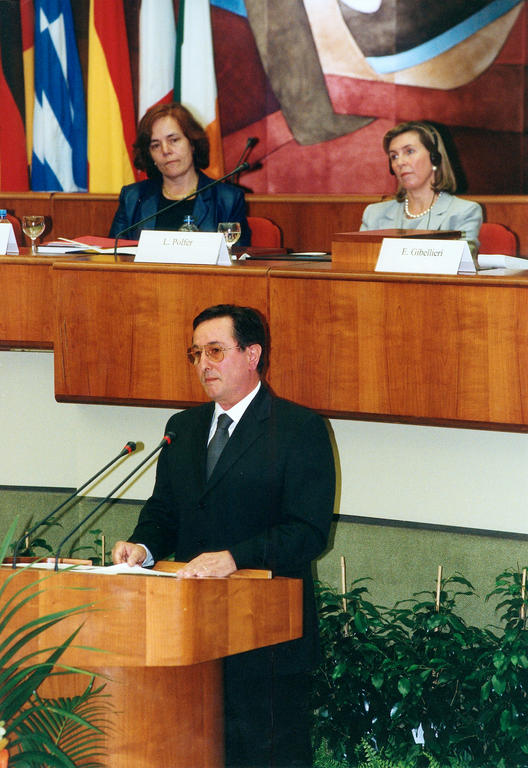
[[419, 215]]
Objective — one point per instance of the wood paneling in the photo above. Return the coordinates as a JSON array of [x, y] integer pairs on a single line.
[[421, 349], [433, 350], [75, 215], [307, 221], [27, 203], [27, 306], [122, 330]]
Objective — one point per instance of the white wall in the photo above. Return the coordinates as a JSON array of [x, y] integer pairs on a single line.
[[469, 478]]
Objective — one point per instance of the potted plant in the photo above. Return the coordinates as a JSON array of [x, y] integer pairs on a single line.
[[37, 730]]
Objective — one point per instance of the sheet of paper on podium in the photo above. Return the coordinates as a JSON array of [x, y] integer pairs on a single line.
[[158, 247]]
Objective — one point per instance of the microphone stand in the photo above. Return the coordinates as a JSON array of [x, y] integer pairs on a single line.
[[130, 447], [167, 439], [243, 159]]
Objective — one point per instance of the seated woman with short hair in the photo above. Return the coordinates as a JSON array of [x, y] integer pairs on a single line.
[[173, 149], [426, 183]]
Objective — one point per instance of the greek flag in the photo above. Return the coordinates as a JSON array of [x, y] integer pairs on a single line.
[[59, 161]]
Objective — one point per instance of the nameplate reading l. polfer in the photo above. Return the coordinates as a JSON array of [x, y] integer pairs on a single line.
[[157, 246]]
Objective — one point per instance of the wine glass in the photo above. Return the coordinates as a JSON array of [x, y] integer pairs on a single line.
[[231, 232], [33, 227]]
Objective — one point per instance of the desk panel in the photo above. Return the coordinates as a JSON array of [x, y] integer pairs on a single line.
[[424, 350], [26, 309], [122, 329]]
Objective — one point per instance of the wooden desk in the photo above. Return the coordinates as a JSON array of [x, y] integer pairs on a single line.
[[162, 641], [418, 349], [435, 350], [122, 330], [26, 310]]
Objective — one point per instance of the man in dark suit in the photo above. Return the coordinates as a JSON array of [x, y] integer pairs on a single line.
[[266, 503]]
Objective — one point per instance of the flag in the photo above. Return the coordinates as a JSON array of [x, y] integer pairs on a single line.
[[195, 78], [13, 157], [27, 18], [59, 118], [111, 119], [157, 50]]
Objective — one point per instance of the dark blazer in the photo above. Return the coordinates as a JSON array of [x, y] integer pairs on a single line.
[[224, 202], [269, 501]]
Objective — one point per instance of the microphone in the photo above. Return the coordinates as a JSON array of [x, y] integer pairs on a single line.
[[250, 143], [238, 169], [167, 440], [130, 447]]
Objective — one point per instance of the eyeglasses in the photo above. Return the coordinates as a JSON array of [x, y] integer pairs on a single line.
[[212, 352]]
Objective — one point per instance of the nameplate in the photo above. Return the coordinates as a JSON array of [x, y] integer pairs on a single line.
[[8, 243], [157, 246], [426, 257]]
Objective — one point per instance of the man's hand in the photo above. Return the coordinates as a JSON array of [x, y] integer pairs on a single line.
[[209, 564], [126, 552]]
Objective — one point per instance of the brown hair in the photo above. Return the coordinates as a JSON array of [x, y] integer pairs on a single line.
[[191, 128], [444, 177]]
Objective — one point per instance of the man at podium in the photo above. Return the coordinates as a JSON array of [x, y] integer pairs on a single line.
[[248, 482]]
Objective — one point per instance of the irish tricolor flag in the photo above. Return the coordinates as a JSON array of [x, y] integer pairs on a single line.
[[195, 79]]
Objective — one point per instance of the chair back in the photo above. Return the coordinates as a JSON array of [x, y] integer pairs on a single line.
[[496, 238], [264, 232], [17, 229]]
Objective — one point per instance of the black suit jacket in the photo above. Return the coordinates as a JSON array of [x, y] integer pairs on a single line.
[[224, 202], [269, 501]]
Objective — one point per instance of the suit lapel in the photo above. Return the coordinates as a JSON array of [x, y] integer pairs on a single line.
[[203, 201], [249, 428], [439, 211], [149, 203]]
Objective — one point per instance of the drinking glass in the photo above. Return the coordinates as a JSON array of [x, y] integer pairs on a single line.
[[33, 227], [231, 232]]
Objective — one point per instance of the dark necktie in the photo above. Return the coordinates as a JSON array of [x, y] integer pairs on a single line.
[[218, 441]]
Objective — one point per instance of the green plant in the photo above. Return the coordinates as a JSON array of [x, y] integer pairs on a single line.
[[389, 673], [59, 733], [93, 550]]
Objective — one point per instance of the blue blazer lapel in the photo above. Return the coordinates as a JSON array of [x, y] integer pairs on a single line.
[[148, 204]]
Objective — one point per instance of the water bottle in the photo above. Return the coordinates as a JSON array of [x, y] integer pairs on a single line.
[[3, 216], [188, 225]]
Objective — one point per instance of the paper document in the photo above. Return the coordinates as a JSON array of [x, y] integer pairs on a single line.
[[102, 570], [494, 260]]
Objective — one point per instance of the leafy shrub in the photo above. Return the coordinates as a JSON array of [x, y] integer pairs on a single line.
[[389, 674]]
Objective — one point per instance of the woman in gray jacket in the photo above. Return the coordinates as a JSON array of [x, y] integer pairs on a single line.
[[426, 183]]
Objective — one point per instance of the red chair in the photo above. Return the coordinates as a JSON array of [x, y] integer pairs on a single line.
[[264, 232], [17, 229], [496, 238]]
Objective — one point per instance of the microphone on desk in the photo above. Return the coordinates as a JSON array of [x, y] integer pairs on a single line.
[[130, 447], [167, 440], [238, 169]]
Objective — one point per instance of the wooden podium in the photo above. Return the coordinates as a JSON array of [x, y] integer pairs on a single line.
[[160, 641]]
